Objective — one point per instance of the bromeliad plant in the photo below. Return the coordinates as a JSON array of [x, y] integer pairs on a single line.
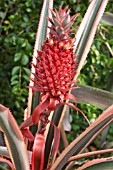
[[55, 66]]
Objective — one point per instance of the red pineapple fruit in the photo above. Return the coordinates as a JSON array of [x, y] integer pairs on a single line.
[[55, 67]]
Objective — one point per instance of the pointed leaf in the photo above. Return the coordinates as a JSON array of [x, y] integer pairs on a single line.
[[104, 137], [27, 71], [25, 59], [63, 139], [38, 152], [55, 143], [66, 120], [108, 18], [40, 36], [33, 119], [8, 162], [17, 56], [89, 24], [42, 30], [4, 151], [84, 23], [15, 70], [98, 164], [83, 140], [27, 134], [15, 139], [38, 110], [89, 154], [55, 120], [66, 19], [70, 165], [97, 97], [28, 122]]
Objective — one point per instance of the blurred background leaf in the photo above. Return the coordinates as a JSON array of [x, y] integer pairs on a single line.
[[108, 18]]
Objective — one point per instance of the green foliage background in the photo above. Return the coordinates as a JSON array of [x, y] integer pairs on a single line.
[[18, 26], [18, 29]]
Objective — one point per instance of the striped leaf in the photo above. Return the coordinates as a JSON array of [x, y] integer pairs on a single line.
[[15, 141]]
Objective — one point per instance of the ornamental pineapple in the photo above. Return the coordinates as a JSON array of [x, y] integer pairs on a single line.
[[55, 67]]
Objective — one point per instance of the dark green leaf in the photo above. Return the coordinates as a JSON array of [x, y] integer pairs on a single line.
[[25, 59], [26, 78], [15, 70], [14, 78], [2, 168], [2, 15], [20, 41], [28, 47], [27, 71], [24, 44], [14, 82], [17, 56]]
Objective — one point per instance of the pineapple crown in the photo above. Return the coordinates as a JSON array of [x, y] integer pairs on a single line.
[[61, 23]]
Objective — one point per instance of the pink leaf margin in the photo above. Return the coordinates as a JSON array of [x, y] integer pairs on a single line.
[[94, 162]]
